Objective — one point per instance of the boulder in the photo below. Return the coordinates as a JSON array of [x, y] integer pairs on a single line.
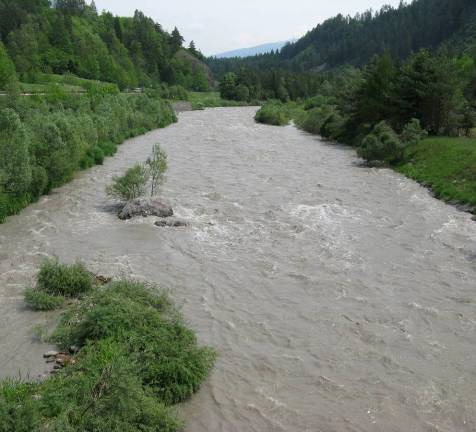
[[145, 207], [171, 223]]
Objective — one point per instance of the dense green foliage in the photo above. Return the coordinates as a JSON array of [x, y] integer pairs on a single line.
[[201, 100], [428, 92], [131, 185], [43, 142], [63, 280], [381, 145], [294, 73], [71, 38], [273, 113], [55, 282], [247, 85], [136, 360], [136, 180]]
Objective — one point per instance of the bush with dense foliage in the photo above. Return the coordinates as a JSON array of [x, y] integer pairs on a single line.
[[381, 145], [273, 113], [413, 133], [63, 280], [131, 185], [137, 360]]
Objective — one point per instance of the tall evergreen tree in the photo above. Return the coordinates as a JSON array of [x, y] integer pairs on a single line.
[[177, 39]]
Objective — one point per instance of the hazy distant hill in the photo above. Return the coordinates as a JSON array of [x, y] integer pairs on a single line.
[[248, 52]]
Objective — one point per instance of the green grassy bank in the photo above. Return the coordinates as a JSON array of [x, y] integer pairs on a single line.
[[446, 165], [127, 360]]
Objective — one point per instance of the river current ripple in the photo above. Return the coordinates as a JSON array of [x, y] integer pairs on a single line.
[[339, 297]]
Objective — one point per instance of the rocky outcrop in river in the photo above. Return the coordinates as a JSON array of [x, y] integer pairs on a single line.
[[145, 207]]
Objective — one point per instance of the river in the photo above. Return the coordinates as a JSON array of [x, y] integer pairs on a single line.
[[339, 297]]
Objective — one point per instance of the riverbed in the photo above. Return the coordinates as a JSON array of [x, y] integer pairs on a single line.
[[339, 297]]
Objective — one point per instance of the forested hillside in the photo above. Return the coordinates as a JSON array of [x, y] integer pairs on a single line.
[[40, 37], [345, 40], [401, 31]]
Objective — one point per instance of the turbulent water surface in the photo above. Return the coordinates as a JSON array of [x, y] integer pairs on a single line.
[[340, 298]]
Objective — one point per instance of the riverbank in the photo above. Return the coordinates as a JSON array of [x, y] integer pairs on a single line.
[[46, 140], [447, 166]]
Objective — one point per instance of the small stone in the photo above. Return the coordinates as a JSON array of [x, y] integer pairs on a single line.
[[73, 349], [50, 354], [171, 223], [60, 361], [50, 360], [57, 367]]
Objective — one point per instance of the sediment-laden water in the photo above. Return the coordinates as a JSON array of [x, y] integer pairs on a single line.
[[340, 298]]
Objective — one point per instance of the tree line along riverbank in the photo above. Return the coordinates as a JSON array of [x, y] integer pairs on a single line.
[[45, 140]]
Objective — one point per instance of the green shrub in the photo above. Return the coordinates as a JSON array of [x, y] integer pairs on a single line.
[[381, 145], [131, 185], [108, 148], [169, 360], [413, 133], [157, 166], [333, 126], [63, 280], [42, 301], [273, 113]]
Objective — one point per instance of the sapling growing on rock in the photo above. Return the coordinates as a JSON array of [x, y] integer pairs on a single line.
[[131, 185], [157, 165]]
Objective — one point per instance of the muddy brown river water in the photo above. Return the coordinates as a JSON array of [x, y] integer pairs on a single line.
[[339, 297]]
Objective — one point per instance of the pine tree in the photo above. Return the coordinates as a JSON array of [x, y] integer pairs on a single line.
[[177, 39], [94, 8]]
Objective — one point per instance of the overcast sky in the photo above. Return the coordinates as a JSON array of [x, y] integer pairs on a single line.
[[223, 25]]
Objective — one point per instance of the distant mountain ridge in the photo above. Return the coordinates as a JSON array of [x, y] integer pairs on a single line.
[[256, 50]]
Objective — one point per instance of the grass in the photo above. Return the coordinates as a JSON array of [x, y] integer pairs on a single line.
[[447, 165], [41, 301], [201, 100], [137, 360], [63, 280]]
